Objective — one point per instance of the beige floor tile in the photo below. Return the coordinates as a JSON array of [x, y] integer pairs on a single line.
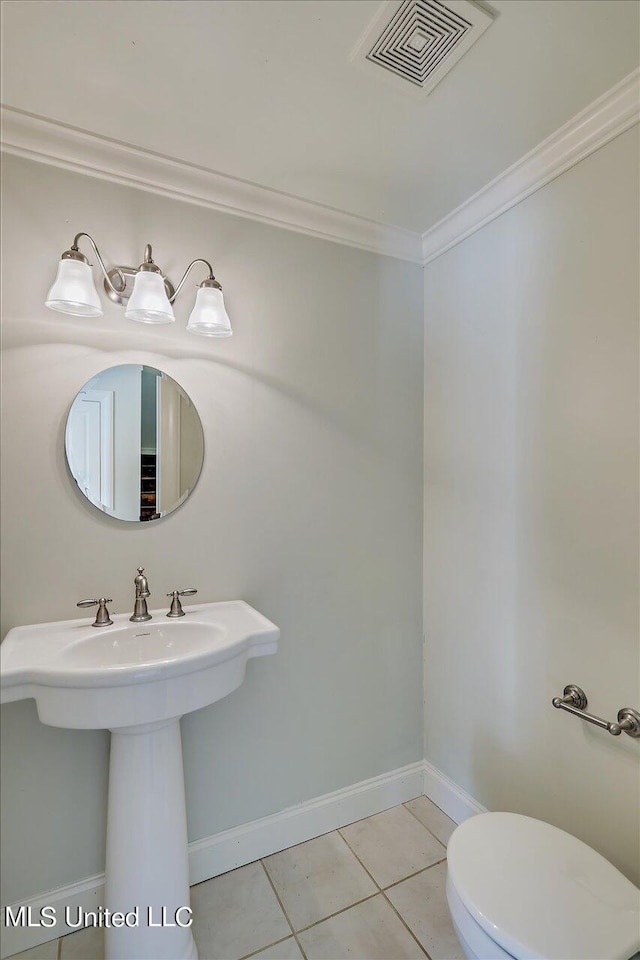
[[318, 878], [393, 845], [369, 931], [45, 951], [422, 903], [86, 944], [236, 914], [440, 825], [287, 950]]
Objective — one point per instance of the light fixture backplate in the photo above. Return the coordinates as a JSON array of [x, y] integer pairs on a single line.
[[129, 274]]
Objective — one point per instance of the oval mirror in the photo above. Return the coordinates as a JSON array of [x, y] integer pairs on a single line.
[[134, 443]]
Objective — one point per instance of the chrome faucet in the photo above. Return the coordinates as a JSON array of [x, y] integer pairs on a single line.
[[140, 612]]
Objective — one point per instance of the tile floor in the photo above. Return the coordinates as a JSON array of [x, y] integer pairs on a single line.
[[374, 890]]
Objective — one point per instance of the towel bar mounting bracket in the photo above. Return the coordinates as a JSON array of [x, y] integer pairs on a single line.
[[574, 700]]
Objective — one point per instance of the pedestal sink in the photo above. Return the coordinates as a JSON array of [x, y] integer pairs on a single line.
[[137, 680]]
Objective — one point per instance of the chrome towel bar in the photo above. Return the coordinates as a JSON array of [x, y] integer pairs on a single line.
[[575, 701]]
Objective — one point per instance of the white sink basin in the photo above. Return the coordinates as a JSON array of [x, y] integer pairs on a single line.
[[137, 680], [88, 677], [142, 646]]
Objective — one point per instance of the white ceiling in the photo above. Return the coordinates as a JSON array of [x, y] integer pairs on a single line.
[[264, 90]]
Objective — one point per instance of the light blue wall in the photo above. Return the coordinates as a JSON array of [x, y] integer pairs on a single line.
[[309, 507], [531, 503]]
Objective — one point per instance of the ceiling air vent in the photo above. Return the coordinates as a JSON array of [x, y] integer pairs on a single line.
[[416, 42]]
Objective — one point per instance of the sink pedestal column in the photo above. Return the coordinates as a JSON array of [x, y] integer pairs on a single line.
[[147, 868]]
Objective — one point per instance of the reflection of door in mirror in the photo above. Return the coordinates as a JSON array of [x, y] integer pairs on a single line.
[[124, 385], [90, 444]]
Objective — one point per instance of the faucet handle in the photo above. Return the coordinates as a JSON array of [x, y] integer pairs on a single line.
[[102, 616], [176, 607]]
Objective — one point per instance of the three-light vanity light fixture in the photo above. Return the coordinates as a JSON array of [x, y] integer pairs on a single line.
[[145, 292]]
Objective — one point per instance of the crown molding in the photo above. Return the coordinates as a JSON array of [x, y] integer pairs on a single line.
[[46, 141], [592, 128]]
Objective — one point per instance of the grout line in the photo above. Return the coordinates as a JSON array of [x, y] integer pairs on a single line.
[[316, 923], [379, 890], [337, 913], [368, 872], [59, 950], [407, 927], [267, 946], [277, 896], [428, 829], [439, 809], [402, 879], [412, 875], [365, 868]]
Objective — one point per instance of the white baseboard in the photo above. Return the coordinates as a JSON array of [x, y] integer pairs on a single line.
[[452, 799], [88, 894], [224, 851]]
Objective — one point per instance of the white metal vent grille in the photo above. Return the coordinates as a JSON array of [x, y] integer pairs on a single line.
[[418, 41]]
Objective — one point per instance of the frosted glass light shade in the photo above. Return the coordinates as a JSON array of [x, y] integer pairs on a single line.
[[74, 291], [209, 317], [149, 302]]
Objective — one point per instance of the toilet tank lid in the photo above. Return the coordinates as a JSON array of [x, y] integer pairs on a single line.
[[541, 893]]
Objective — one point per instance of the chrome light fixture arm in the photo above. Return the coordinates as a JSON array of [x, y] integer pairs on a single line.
[[210, 281], [107, 279]]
